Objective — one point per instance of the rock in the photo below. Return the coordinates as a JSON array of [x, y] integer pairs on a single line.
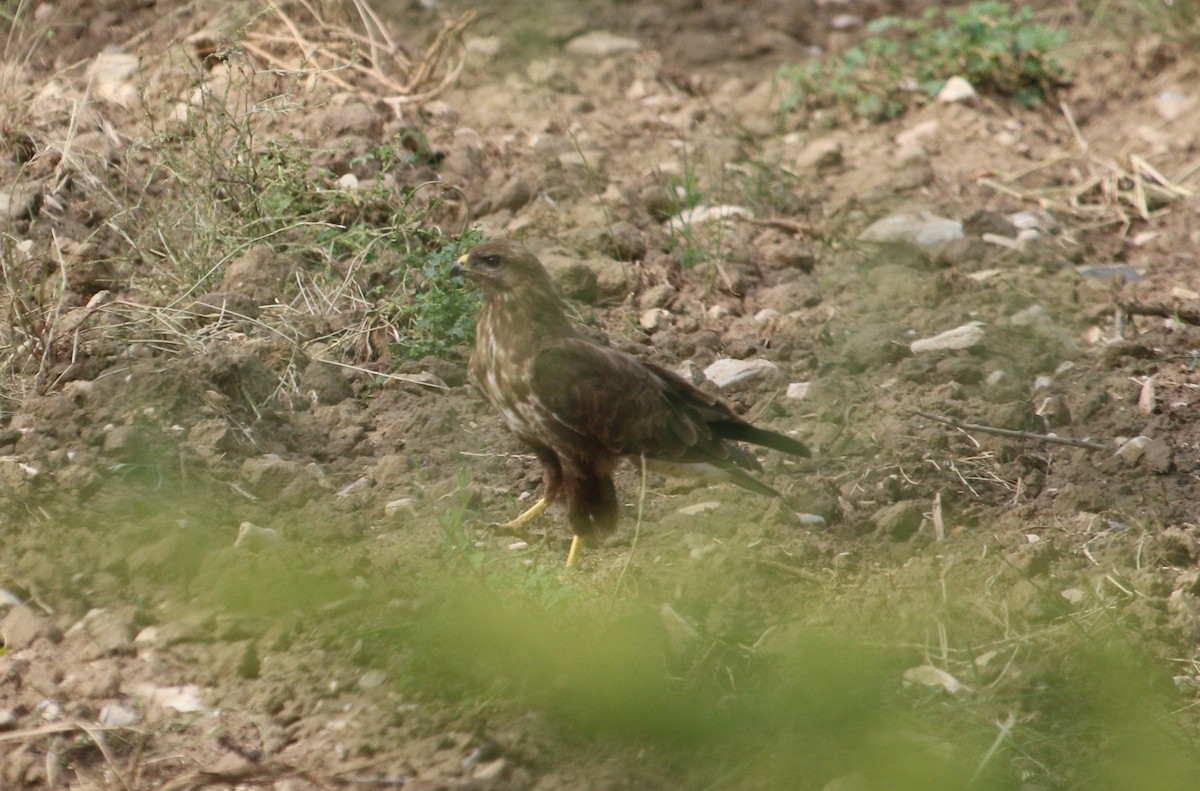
[[348, 182], [185, 699], [924, 228], [1132, 450], [259, 273], [957, 89], [915, 134], [601, 44], [699, 508], [658, 296], [962, 337], [111, 76], [793, 295], [1173, 104], [899, 520], [578, 282], [1159, 457], [624, 241], [24, 626], [252, 537], [212, 438], [108, 633], [767, 316], [324, 383], [8, 720], [820, 154], [100, 680], [404, 505], [798, 390], [730, 374], [8, 599], [654, 319], [117, 716], [513, 195], [372, 679], [609, 276], [269, 475], [21, 201], [1108, 274], [700, 214]]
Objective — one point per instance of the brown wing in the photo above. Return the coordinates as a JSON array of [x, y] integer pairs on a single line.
[[629, 407]]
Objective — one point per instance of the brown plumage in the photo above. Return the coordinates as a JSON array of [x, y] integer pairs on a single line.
[[583, 407]]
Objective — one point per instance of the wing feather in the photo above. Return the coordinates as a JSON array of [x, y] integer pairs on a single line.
[[627, 406]]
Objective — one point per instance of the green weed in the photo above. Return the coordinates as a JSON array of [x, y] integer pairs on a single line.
[[996, 48]]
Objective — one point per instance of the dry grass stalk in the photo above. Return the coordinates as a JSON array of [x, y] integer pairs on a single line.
[[315, 45]]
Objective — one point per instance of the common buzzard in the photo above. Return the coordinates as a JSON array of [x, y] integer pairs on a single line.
[[583, 407]]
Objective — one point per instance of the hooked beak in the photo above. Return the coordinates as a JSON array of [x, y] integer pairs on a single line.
[[459, 267]]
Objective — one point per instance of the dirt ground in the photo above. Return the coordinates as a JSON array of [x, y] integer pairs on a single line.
[[227, 563]]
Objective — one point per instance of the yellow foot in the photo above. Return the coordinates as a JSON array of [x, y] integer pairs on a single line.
[[519, 527], [575, 551]]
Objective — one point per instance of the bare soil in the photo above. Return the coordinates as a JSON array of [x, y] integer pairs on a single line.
[[238, 566]]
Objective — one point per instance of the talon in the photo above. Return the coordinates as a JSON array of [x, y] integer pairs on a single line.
[[518, 527]]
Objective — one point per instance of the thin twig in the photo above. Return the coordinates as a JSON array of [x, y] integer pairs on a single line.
[[1179, 314], [1050, 439]]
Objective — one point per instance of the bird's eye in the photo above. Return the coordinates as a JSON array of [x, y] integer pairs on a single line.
[[490, 261]]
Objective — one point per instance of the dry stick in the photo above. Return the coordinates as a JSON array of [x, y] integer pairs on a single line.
[[1138, 309], [1005, 432]]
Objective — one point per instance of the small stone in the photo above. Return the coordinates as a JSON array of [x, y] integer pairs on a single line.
[[116, 716], [767, 315], [252, 537], [1043, 383], [8, 720], [490, 771], [1172, 104], [915, 134], [699, 508], [514, 194], [1074, 596], [962, 337], [1147, 402], [820, 155], [845, 22], [23, 626], [728, 373], [995, 378], [1107, 274], [657, 296], [700, 214], [798, 390], [348, 181], [624, 241], [324, 383], [404, 505], [22, 201], [372, 679], [601, 44], [1132, 450], [957, 89], [924, 228], [899, 520], [109, 633], [8, 599], [654, 319]]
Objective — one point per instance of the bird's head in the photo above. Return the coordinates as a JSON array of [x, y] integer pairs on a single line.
[[499, 266]]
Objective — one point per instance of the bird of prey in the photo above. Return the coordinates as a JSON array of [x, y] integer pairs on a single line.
[[583, 407]]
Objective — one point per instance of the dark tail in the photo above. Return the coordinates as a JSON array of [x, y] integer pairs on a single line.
[[744, 432]]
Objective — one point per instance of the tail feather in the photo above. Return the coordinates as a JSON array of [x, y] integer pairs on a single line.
[[744, 432]]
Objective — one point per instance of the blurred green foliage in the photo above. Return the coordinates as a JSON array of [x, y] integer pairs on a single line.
[[997, 48]]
